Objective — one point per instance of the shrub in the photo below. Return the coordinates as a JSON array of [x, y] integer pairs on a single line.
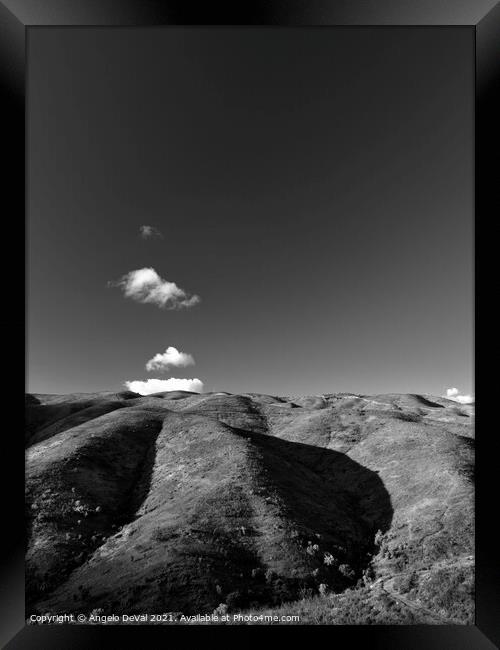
[[329, 560], [346, 571], [97, 612], [234, 600], [221, 609], [323, 589], [312, 549]]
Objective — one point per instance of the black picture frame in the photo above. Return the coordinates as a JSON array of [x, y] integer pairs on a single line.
[[17, 17]]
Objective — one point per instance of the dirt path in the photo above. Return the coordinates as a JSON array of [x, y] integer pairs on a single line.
[[415, 607]]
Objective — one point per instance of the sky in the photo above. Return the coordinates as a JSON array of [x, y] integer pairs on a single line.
[[290, 208]]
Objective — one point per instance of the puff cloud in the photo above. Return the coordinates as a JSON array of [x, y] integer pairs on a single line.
[[146, 286], [148, 232], [150, 386], [171, 357], [455, 395]]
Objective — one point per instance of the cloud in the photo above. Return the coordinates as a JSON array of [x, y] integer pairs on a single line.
[[148, 232], [150, 386], [454, 394], [145, 285], [171, 357]]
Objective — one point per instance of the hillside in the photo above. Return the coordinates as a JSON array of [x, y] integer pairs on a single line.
[[182, 502]]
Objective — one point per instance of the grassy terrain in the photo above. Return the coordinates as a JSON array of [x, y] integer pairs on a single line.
[[343, 509]]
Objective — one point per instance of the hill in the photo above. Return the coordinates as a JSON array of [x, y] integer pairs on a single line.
[[344, 508]]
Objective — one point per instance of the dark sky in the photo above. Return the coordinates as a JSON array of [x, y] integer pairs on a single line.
[[313, 186]]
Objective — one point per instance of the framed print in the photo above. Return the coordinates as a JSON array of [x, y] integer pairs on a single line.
[[251, 336]]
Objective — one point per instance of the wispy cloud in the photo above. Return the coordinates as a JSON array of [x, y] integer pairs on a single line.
[[146, 286], [148, 232], [171, 357], [456, 396], [150, 386]]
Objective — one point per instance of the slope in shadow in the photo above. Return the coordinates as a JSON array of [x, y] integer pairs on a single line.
[[42, 411], [73, 420], [79, 488], [427, 402], [328, 501], [309, 516]]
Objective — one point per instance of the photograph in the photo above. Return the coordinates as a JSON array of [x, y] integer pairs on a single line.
[[250, 288], [250, 321]]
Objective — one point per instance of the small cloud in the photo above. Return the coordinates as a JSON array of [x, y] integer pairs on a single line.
[[148, 232], [150, 386], [146, 286], [454, 394], [171, 357]]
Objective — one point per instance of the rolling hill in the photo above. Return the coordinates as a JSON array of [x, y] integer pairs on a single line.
[[347, 509]]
